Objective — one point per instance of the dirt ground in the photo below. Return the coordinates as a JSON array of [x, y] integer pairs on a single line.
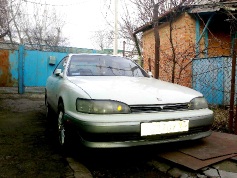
[[28, 147]]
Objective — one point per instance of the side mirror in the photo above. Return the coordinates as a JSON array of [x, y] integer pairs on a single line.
[[58, 72], [150, 74]]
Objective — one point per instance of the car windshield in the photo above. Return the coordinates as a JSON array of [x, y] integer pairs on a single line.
[[102, 65]]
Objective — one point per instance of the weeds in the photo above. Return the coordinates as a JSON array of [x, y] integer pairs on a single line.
[[221, 119]]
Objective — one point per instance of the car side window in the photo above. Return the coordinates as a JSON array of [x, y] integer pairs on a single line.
[[62, 64]]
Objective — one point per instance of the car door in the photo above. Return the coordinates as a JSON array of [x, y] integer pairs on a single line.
[[54, 83]]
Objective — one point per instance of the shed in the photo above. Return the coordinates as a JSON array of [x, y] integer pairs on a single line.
[[196, 42]]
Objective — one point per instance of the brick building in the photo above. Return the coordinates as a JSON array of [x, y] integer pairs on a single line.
[[190, 32]]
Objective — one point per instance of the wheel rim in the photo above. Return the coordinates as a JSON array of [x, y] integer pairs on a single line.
[[61, 130]]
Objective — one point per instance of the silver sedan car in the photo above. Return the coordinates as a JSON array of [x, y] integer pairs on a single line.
[[110, 101]]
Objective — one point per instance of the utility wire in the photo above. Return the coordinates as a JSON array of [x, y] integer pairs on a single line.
[[55, 5]]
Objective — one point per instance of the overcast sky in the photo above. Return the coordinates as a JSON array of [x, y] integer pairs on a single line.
[[82, 17]]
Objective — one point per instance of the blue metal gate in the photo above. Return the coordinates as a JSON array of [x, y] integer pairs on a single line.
[[212, 77], [37, 67]]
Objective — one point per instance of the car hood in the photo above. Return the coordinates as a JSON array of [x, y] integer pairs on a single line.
[[134, 90]]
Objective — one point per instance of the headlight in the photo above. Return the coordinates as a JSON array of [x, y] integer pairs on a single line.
[[101, 107], [198, 103]]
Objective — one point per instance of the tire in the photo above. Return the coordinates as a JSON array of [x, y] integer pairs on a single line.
[[61, 126], [49, 111]]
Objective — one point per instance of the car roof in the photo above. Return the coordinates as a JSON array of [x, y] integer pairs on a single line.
[[91, 54]]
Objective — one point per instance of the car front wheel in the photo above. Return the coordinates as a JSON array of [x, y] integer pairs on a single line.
[[49, 111], [61, 127]]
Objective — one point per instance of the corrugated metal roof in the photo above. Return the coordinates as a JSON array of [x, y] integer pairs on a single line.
[[198, 6], [204, 9], [202, 2], [213, 6]]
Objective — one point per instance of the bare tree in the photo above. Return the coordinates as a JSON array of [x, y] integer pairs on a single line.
[[137, 13], [3, 19], [102, 39], [38, 26]]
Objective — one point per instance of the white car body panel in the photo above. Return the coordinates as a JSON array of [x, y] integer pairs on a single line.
[[132, 91]]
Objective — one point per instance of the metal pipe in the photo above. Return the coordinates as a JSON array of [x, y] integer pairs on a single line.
[[21, 89], [234, 58], [199, 37], [157, 40], [116, 28], [124, 43], [232, 90], [205, 28]]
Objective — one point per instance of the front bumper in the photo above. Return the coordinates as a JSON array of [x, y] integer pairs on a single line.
[[141, 142], [124, 130]]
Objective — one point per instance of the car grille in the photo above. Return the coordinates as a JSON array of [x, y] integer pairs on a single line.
[[113, 137], [159, 108]]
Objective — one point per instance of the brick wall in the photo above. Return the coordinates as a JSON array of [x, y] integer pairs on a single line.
[[219, 43], [183, 39]]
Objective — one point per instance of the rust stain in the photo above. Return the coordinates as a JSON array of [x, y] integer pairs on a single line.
[[202, 153], [5, 70], [218, 144], [192, 162]]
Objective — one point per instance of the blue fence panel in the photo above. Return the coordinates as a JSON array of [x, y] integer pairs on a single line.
[[37, 67], [208, 78]]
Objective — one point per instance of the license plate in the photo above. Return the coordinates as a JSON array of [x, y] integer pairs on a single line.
[[155, 128]]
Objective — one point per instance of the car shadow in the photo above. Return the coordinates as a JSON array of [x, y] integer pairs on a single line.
[[112, 158]]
